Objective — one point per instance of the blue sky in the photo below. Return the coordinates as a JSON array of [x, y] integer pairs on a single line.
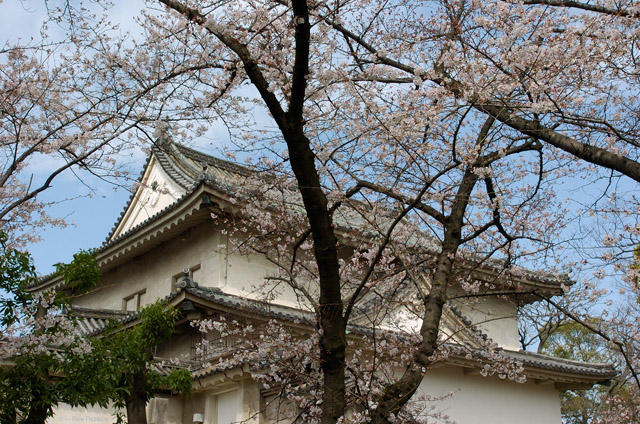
[[94, 206], [90, 206], [90, 218]]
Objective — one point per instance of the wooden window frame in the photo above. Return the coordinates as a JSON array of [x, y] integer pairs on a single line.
[[137, 295]]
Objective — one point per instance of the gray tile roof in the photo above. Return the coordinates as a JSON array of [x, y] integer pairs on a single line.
[[529, 359], [228, 177], [94, 321], [189, 168], [91, 322], [251, 306], [605, 371]]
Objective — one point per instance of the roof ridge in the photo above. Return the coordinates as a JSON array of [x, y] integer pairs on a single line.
[[214, 160], [168, 166], [293, 314], [144, 223], [98, 311], [159, 150]]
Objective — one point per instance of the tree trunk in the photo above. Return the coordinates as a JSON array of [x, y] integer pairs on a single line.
[[333, 340], [136, 411], [397, 394], [136, 402], [38, 414], [291, 123], [39, 410]]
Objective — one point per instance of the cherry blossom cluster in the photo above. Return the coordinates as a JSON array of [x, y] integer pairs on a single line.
[[36, 332]]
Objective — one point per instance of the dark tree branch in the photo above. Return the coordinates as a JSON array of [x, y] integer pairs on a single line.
[[586, 152], [302, 159], [591, 154], [584, 6], [301, 63]]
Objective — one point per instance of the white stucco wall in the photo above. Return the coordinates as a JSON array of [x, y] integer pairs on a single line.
[[461, 398], [246, 276], [64, 414], [157, 191], [203, 247], [164, 410], [469, 399], [489, 400], [495, 316], [237, 402], [160, 410], [154, 271]]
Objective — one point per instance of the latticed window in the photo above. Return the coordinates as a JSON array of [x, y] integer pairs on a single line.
[[213, 344]]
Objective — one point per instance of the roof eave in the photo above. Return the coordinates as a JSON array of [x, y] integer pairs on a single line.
[[166, 224]]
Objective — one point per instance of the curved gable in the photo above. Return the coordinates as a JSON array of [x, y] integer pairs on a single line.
[[156, 190]]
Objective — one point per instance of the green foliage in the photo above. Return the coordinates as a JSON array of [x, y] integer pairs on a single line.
[[33, 393], [16, 274], [82, 274], [34, 384], [114, 370], [40, 376], [179, 381], [574, 341], [636, 266], [129, 354], [156, 323]]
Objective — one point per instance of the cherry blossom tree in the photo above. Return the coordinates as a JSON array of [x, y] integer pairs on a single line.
[[450, 129], [577, 327], [48, 109], [459, 120], [68, 106], [592, 324]]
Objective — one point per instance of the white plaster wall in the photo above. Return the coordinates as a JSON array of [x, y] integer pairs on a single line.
[[489, 400], [233, 403], [278, 411], [251, 402], [155, 269], [194, 404], [160, 410], [229, 407], [222, 267], [203, 246], [164, 410], [496, 317], [245, 275], [219, 267], [149, 201], [474, 400], [179, 347], [65, 414]]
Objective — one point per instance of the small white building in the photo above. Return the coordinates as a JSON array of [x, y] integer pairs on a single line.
[[167, 233]]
